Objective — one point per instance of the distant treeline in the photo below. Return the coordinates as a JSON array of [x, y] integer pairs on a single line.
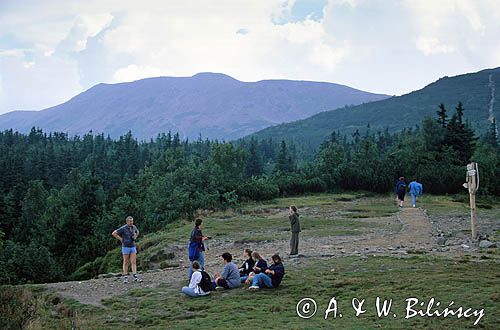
[[61, 196]]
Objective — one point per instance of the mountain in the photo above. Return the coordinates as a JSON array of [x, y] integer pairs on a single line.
[[211, 104], [475, 90]]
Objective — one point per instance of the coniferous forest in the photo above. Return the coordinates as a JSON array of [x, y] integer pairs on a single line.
[[61, 196]]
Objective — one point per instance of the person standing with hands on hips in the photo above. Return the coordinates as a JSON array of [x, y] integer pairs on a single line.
[[295, 229], [127, 234]]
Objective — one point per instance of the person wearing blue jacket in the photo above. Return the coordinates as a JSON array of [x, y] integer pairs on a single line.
[[400, 190], [272, 276], [196, 247], [416, 189]]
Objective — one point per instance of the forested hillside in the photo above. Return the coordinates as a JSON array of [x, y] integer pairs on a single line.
[[62, 196], [475, 90]]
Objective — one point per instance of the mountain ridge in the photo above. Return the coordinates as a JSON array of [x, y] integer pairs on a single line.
[[399, 112], [214, 105]]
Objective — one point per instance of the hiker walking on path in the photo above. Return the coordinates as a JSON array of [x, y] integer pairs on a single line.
[[401, 190], [416, 190], [196, 247], [295, 228], [127, 234]]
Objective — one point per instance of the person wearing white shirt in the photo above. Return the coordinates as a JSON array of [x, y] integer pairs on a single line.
[[194, 290]]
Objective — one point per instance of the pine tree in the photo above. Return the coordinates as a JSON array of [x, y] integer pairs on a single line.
[[254, 163], [442, 116], [460, 135], [283, 163]]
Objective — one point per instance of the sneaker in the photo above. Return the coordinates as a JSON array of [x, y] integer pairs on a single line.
[[137, 279], [125, 279], [253, 287], [219, 288], [413, 205]]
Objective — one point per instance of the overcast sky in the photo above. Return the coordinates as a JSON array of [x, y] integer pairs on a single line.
[[52, 50]]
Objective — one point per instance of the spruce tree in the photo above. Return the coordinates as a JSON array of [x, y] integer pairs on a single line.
[[442, 116]]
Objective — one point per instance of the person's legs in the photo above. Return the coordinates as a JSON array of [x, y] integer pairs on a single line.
[[261, 280], [126, 259], [189, 292], [223, 283], [413, 200], [401, 197], [133, 261], [243, 278], [296, 243], [190, 271], [292, 244], [201, 261]]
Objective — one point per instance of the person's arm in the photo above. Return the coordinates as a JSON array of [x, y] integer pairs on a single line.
[[116, 235], [225, 271], [293, 219]]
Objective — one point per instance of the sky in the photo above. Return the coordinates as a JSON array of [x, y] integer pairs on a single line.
[[52, 50]]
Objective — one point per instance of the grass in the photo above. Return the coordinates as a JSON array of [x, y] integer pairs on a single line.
[[386, 277], [328, 215], [468, 281]]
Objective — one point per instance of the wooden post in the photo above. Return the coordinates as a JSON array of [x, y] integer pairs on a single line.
[[473, 185]]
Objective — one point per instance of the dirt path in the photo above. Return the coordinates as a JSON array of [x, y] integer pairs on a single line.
[[415, 234]]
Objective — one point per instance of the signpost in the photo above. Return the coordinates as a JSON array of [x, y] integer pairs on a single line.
[[472, 183]]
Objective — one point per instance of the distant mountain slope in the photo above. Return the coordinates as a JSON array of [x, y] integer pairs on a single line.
[[211, 104], [475, 90]]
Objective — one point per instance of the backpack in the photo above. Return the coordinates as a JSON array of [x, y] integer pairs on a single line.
[[206, 282]]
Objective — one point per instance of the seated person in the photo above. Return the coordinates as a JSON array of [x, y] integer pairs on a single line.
[[272, 276], [247, 266], [200, 283], [260, 266], [230, 277]]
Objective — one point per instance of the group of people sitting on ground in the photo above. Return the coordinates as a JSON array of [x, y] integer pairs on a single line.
[[254, 271], [415, 189]]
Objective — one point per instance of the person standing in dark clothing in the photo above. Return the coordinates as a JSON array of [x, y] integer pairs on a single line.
[[127, 234], [295, 229], [401, 190], [196, 247]]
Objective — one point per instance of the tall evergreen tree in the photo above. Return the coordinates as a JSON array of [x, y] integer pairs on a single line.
[[284, 161], [442, 116], [254, 163]]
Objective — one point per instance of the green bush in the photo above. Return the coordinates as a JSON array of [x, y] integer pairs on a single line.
[[258, 189]]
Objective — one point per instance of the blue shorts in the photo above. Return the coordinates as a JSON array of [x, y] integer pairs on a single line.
[[128, 250]]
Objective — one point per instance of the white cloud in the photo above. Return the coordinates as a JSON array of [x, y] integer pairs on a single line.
[[431, 46], [134, 72], [64, 47]]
